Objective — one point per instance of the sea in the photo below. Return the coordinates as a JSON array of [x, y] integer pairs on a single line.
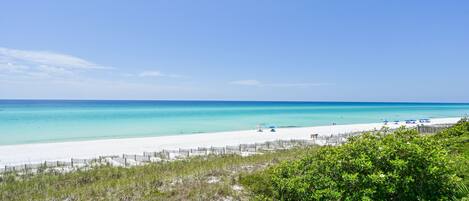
[[40, 121]]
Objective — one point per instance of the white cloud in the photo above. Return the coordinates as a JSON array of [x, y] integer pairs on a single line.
[[257, 83], [297, 84], [22, 57], [10, 68], [157, 74], [150, 74], [25, 64], [246, 82], [40, 74], [52, 70]]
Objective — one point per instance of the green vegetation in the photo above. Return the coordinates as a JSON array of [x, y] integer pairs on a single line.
[[456, 140], [403, 165], [210, 178], [400, 166]]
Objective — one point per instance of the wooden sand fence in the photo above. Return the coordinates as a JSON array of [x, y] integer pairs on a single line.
[[128, 160], [426, 129]]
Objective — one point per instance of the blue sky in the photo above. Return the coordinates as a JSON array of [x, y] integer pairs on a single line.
[[236, 50]]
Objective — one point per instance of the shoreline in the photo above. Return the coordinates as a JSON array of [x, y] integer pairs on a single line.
[[64, 151]]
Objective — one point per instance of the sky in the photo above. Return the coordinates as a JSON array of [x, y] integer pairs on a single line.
[[406, 51]]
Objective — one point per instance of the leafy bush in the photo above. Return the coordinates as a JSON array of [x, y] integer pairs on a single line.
[[398, 166], [456, 140], [461, 129]]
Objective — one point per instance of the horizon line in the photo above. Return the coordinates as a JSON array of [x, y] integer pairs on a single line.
[[220, 100]]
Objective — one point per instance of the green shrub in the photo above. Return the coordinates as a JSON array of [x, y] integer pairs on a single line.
[[398, 166], [259, 182], [456, 140], [461, 129]]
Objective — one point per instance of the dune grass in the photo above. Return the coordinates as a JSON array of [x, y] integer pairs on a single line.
[[201, 178]]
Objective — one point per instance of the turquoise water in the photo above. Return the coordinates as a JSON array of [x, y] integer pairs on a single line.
[[34, 121]]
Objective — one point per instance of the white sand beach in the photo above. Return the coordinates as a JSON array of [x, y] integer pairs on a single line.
[[64, 151]]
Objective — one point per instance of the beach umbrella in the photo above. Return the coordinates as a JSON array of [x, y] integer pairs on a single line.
[[272, 128]]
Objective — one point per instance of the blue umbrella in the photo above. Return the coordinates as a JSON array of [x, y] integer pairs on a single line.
[[272, 128]]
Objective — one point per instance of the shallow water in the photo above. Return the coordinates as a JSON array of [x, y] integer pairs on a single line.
[[34, 121]]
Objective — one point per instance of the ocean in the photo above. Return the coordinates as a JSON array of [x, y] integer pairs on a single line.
[[37, 121]]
